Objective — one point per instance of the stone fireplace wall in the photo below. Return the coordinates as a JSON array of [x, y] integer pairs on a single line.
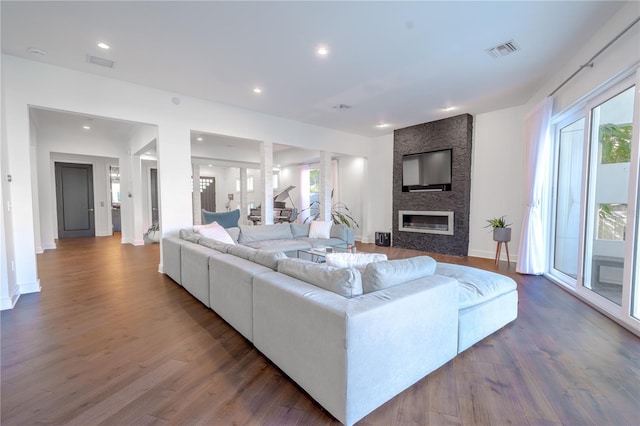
[[455, 133]]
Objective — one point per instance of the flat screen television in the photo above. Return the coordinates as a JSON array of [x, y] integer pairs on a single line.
[[427, 171]]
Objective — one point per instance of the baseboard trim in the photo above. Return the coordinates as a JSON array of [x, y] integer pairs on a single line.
[[49, 246], [39, 250], [492, 255], [138, 242], [26, 288], [160, 269], [9, 302]]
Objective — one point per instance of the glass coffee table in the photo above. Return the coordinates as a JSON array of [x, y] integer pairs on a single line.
[[318, 254]]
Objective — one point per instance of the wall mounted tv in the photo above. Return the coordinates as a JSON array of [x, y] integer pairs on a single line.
[[427, 171]]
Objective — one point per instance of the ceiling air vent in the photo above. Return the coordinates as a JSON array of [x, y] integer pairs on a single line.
[[503, 49], [99, 61], [341, 107]]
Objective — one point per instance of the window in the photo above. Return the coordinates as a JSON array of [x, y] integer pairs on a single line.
[[249, 184]]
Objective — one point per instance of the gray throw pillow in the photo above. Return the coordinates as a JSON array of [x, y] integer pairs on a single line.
[[380, 275], [343, 281]]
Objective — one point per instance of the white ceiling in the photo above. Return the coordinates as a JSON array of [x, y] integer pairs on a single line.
[[394, 62]]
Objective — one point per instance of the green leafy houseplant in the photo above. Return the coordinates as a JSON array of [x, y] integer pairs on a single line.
[[497, 222], [340, 213], [501, 230]]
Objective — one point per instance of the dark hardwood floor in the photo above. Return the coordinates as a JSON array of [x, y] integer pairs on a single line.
[[111, 341]]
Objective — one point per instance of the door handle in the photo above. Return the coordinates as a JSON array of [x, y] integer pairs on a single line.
[[90, 210]]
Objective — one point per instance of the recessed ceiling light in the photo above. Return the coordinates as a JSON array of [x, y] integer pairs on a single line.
[[322, 51], [257, 90], [449, 108], [86, 127], [382, 125], [104, 46], [199, 139]]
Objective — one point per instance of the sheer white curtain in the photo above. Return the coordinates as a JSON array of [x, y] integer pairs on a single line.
[[532, 249]]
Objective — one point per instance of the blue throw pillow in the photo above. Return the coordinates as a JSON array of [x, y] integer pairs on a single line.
[[224, 219]]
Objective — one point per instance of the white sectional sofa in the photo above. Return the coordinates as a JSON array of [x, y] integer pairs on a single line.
[[352, 340]]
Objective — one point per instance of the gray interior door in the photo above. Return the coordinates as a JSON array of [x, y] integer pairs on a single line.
[[74, 195], [154, 195]]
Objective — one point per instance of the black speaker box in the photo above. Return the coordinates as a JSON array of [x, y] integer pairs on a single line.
[[383, 239]]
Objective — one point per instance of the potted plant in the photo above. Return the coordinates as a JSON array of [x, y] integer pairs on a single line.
[[153, 233], [340, 213], [501, 230]]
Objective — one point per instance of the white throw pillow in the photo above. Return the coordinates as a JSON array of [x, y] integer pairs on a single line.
[[320, 229], [215, 232]]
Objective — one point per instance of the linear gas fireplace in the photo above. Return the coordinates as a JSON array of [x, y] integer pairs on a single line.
[[426, 222]]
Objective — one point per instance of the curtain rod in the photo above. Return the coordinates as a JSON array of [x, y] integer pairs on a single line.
[[589, 63]]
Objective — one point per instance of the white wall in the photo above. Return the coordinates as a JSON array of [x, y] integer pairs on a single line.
[[378, 189], [87, 149], [497, 179], [620, 56], [351, 179], [9, 291], [28, 83]]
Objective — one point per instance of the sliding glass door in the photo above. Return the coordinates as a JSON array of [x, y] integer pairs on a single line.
[[608, 195], [594, 244], [569, 189]]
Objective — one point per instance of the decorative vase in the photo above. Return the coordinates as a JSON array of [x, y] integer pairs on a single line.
[[502, 235]]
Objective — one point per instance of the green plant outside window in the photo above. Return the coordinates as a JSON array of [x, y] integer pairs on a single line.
[[616, 143]]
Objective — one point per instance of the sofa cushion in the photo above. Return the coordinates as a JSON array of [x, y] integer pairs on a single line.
[[214, 231], [343, 281], [269, 258], [300, 229], [215, 244], [189, 235], [476, 285], [320, 229], [243, 252], [353, 260], [250, 234], [380, 275], [323, 242], [280, 245], [339, 231], [225, 219]]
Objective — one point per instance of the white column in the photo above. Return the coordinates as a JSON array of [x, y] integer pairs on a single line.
[[325, 185], [197, 200], [174, 176], [266, 186], [244, 201], [18, 203], [136, 189]]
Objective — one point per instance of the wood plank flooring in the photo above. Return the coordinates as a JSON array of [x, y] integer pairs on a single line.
[[110, 341]]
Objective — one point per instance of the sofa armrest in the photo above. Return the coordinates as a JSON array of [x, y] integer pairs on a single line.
[[352, 355]]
